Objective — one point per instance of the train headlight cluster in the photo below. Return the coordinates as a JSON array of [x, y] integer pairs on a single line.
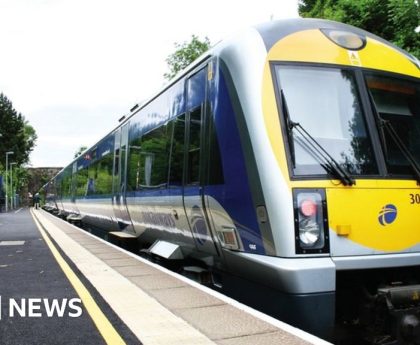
[[345, 39], [309, 232], [310, 221]]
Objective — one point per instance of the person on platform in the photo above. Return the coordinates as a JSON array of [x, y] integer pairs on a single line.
[[36, 201]]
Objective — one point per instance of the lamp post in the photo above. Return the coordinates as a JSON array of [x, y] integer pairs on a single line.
[[12, 194], [7, 164]]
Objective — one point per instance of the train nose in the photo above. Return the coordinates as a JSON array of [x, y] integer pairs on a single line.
[[410, 329]]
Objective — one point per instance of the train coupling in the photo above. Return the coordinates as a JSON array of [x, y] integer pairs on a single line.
[[403, 321]]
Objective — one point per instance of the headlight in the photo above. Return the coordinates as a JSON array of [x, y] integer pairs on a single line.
[[345, 39], [310, 221], [309, 232]]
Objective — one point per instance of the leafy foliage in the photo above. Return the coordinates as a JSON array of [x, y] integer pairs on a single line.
[[17, 134], [80, 151], [184, 54], [393, 20]]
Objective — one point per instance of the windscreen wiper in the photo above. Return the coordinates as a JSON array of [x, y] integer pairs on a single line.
[[397, 140], [289, 131], [403, 148], [326, 160], [310, 144]]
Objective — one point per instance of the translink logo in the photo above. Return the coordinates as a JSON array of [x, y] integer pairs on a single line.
[[387, 215], [39, 307]]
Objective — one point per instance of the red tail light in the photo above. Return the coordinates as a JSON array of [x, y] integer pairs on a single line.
[[308, 207]]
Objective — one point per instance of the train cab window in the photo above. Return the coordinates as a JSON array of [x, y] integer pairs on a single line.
[[396, 101], [324, 102]]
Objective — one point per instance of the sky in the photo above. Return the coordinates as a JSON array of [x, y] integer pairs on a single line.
[[74, 67]]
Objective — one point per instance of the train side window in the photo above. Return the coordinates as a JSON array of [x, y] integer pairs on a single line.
[[66, 184], [81, 182], [92, 179], [194, 147], [104, 182], [100, 176], [153, 167], [117, 162], [215, 167], [177, 151], [134, 160]]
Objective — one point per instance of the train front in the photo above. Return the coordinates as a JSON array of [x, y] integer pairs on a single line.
[[342, 112]]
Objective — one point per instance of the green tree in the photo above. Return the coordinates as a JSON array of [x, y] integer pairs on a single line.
[[20, 181], [393, 20], [17, 134], [80, 151], [184, 54]]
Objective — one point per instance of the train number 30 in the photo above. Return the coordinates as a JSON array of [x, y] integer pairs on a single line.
[[414, 198]]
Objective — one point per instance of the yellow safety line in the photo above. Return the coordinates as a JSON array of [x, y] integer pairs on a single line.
[[106, 329]]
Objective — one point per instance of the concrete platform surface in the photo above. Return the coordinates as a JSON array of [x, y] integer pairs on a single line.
[[30, 272], [155, 305]]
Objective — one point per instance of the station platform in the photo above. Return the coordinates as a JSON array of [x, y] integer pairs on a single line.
[[105, 295]]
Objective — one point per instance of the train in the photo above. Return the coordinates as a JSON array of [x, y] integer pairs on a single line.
[[284, 163]]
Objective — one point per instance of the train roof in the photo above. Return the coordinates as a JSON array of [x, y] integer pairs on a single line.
[[270, 32]]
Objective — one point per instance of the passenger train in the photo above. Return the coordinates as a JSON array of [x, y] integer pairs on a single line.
[[285, 162]]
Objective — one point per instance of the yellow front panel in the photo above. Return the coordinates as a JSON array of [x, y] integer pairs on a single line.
[[375, 215], [380, 219], [313, 46]]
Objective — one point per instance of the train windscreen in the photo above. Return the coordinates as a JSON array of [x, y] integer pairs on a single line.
[[325, 102], [396, 104]]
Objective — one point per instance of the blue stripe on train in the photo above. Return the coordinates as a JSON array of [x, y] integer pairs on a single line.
[[235, 195]]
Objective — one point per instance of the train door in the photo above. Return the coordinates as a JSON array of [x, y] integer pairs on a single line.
[[194, 204], [119, 179]]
